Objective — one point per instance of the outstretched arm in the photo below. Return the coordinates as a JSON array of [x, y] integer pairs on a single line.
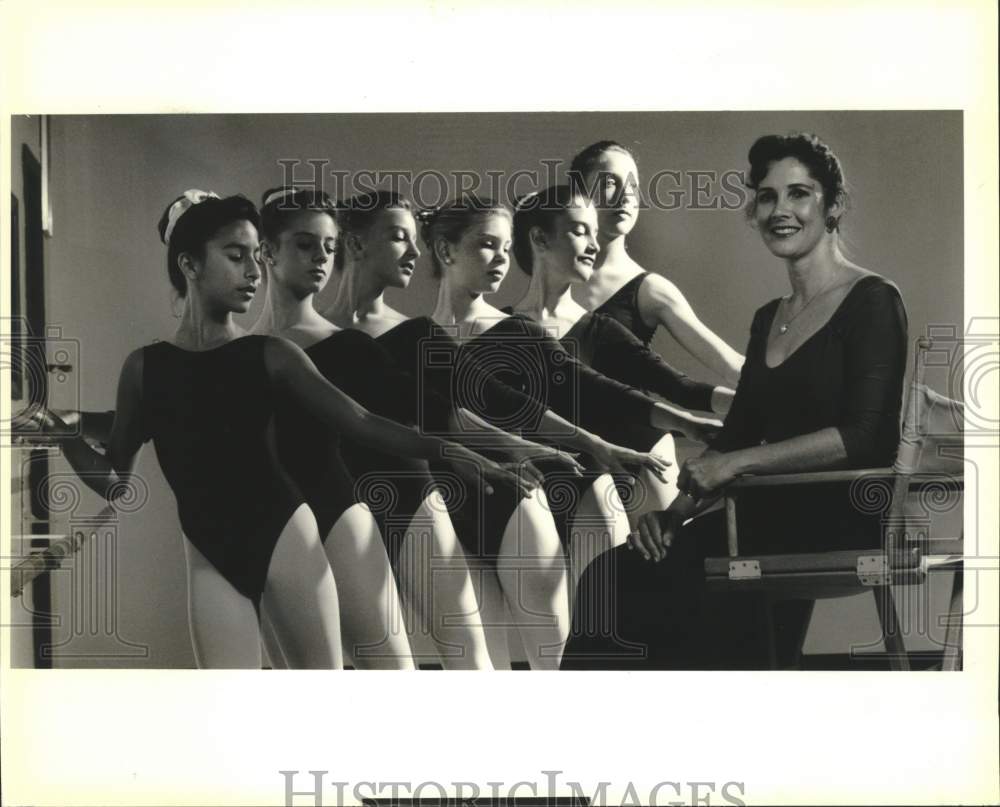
[[94, 426], [621, 355], [469, 429], [600, 394], [294, 374], [495, 399], [108, 474], [662, 301], [666, 418]]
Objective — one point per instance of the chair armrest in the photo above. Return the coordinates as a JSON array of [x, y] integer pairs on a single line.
[[755, 482], [903, 556]]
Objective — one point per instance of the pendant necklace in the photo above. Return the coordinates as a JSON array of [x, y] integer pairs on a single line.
[[783, 328]]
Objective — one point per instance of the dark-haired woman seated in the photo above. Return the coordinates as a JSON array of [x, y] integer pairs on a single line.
[[821, 389]]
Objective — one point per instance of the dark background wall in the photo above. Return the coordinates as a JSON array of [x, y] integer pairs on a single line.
[[112, 176], [904, 169]]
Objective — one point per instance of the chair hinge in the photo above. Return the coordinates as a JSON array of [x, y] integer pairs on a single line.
[[873, 570], [744, 570]]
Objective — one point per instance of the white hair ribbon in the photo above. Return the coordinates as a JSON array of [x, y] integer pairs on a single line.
[[525, 200], [188, 199], [280, 195]]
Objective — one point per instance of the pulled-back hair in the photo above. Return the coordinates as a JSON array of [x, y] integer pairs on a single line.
[[278, 206], [196, 226], [808, 149], [585, 161], [452, 220], [357, 214], [539, 210]]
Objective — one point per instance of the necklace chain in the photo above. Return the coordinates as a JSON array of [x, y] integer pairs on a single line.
[[783, 328]]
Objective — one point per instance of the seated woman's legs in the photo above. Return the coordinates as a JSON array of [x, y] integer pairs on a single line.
[[631, 613]]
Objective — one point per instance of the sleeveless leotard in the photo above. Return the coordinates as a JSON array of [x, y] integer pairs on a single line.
[[208, 415], [623, 306]]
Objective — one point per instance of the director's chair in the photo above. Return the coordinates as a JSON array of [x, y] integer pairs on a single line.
[[930, 461]]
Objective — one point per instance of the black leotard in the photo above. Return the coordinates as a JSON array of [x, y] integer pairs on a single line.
[[393, 487], [521, 354], [608, 347], [311, 453], [623, 306], [208, 414], [849, 376], [431, 356], [429, 353]]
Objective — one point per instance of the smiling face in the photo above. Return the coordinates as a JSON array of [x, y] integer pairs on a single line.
[[226, 275], [389, 248], [613, 183], [571, 246], [481, 258], [789, 210], [303, 255]]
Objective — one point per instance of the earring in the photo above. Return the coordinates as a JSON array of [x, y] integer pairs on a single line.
[[832, 223]]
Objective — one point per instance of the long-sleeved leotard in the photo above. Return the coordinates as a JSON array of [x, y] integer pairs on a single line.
[[608, 347], [848, 376], [425, 351], [522, 355], [392, 486]]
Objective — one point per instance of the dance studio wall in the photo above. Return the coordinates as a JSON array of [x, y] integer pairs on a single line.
[[107, 282]]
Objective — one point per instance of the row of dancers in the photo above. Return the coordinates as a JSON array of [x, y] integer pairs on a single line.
[[344, 473]]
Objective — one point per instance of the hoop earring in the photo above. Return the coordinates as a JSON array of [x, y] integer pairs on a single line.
[[832, 223]]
